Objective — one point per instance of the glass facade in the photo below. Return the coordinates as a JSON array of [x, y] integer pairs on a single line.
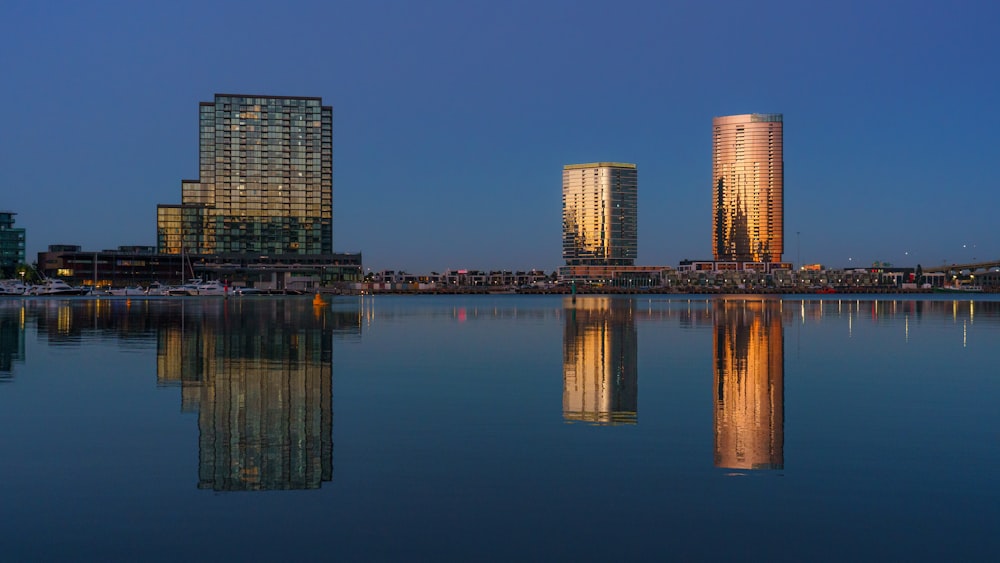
[[748, 188], [265, 180], [181, 226], [599, 214], [11, 245]]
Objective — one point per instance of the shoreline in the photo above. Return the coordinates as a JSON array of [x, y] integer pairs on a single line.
[[669, 291]]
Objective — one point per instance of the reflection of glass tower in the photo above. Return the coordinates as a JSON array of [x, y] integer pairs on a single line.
[[749, 385], [600, 375], [260, 377], [266, 412], [11, 338], [748, 187]]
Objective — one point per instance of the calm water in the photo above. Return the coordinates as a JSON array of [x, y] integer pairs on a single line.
[[499, 428]]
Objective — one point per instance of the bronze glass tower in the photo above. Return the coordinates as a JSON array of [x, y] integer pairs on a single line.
[[265, 181], [748, 188], [599, 214]]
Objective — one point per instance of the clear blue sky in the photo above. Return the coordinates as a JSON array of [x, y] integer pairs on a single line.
[[452, 120]]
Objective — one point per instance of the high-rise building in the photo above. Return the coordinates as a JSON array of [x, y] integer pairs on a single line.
[[748, 188], [599, 214], [265, 181], [11, 245]]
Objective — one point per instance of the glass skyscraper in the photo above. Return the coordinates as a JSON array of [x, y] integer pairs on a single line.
[[599, 214], [748, 188], [265, 182], [11, 245]]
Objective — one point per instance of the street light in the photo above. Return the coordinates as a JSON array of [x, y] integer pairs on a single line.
[[798, 249]]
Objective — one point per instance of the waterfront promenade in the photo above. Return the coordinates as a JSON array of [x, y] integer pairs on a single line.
[[563, 289]]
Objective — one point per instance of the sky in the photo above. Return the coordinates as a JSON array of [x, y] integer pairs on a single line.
[[452, 120]]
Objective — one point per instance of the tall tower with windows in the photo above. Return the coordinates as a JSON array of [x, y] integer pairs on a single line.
[[599, 214], [265, 182], [12, 242], [748, 187]]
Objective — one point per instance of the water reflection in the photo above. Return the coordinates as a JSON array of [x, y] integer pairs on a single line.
[[749, 384], [74, 322], [260, 378], [600, 350], [11, 340], [258, 372]]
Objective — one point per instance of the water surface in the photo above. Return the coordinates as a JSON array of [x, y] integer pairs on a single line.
[[499, 428]]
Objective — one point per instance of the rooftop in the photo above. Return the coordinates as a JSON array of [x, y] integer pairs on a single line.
[[599, 165]]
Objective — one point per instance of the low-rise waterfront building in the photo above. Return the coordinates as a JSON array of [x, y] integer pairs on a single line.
[[732, 266], [989, 280], [614, 275], [142, 265]]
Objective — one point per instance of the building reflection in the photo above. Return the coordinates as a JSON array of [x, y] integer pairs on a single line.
[[600, 349], [260, 378], [749, 384], [11, 338]]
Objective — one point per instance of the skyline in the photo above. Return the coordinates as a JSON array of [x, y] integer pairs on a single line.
[[452, 121]]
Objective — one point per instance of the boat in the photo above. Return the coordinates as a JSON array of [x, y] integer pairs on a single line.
[[214, 287], [190, 288], [57, 287], [249, 291], [127, 291], [12, 287], [157, 288], [501, 291], [959, 289]]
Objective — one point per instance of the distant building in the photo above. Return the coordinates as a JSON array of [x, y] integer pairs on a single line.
[[142, 265], [265, 187], [600, 226], [129, 265], [11, 245], [731, 266], [599, 214], [748, 188]]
